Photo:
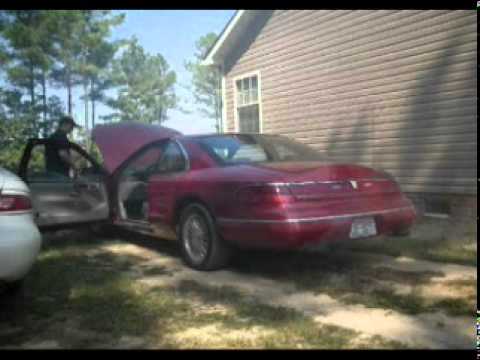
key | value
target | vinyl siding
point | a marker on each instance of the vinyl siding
(395, 90)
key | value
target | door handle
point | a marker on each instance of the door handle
(81, 186)
(74, 194)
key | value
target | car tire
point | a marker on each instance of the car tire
(15, 288)
(404, 232)
(103, 229)
(201, 245)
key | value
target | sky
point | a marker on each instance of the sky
(171, 33)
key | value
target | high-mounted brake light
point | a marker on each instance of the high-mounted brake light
(265, 194)
(14, 203)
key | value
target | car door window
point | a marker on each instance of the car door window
(144, 164)
(84, 166)
(37, 168)
(172, 160)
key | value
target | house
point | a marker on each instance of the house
(395, 90)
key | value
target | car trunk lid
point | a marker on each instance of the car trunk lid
(10, 182)
(320, 180)
(117, 142)
(335, 189)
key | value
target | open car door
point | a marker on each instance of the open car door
(62, 200)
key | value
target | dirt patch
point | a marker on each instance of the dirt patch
(434, 240)
(129, 342)
(42, 344)
(450, 290)
(419, 331)
(217, 336)
(445, 271)
(201, 308)
(143, 298)
(129, 250)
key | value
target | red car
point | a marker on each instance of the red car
(215, 192)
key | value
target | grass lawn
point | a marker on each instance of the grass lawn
(347, 272)
(353, 280)
(432, 240)
(78, 296)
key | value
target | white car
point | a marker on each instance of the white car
(20, 239)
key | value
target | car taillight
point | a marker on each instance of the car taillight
(265, 194)
(14, 203)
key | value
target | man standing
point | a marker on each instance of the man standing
(57, 152)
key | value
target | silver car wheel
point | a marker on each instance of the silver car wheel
(195, 238)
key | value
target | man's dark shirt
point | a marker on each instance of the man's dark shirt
(54, 163)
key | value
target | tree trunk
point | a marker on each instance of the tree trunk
(69, 91)
(217, 113)
(32, 100)
(85, 94)
(32, 89)
(217, 105)
(160, 116)
(93, 102)
(218, 101)
(44, 98)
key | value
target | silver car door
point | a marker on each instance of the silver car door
(60, 200)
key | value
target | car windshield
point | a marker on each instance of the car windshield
(255, 148)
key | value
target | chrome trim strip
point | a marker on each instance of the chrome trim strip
(16, 212)
(322, 182)
(9, 191)
(309, 220)
(303, 183)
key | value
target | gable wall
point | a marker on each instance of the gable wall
(390, 89)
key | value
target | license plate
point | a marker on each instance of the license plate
(363, 227)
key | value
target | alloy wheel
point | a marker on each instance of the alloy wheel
(195, 238)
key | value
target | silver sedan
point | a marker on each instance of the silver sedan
(20, 239)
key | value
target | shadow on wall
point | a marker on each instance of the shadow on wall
(424, 109)
(358, 135)
(428, 112)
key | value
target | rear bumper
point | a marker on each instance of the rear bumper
(20, 243)
(295, 233)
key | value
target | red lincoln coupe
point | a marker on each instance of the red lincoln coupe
(215, 192)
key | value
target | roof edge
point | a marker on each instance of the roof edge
(209, 59)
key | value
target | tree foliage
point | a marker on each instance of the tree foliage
(206, 80)
(97, 52)
(41, 50)
(28, 54)
(15, 127)
(145, 86)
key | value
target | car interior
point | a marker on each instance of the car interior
(133, 182)
(132, 185)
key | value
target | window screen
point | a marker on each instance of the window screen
(248, 111)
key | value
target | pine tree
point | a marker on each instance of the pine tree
(206, 81)
(145, 86)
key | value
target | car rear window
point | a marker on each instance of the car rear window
(256, 148)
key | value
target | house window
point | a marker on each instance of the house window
(247, 104)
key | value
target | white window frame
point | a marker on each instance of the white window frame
(259, 99)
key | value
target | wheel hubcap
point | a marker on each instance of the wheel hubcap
(195, 237)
